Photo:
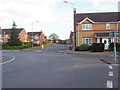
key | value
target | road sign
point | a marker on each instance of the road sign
(111, 34)
(32, 39)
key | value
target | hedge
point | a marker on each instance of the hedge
(111, 46)
(13, 47)
(97, 47)
(83, 47)
(24, 45)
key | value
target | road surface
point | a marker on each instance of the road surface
(49, 69)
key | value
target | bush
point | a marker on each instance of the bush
(4, 46)
(83, 47)
(27, 44)
(97, 47)
(44, 42)
(76, 49)
(111, 46)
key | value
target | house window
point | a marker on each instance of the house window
(0, 36)
(6, 36)
(36, 37)
(107, 26)
(86, 26)
(87, 41)
(25, 36)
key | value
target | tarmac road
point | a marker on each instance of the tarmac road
(49, 69)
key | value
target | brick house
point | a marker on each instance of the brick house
(38, 37)
(95, 27)
(5, 35)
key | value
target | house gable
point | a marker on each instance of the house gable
(23, 35)
(86, 21)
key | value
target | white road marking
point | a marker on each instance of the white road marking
(109, 84)
(111, 67)
(9, 60)
(110, 74)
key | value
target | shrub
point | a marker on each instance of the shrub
(97, 47)
(29, 44)
(83, 47)
(77, 48)
(44, 42)
(4, 46)
(25, 46)
(111, 46)
(118, 47)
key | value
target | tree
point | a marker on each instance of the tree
(53, 37)
(14, 40)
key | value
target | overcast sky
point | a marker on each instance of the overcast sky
(54, 16)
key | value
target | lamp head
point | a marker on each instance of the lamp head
(65, 1)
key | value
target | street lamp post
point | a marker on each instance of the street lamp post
(32, 32)
(73, 24)
(4, 37)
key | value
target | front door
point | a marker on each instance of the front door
(106, 42)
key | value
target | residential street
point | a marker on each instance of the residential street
(50, 69)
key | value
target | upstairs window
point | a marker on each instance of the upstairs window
(107, 26)
(36, 37)
(25, 36)
(86, 26)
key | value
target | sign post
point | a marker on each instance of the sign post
(32, 41)
(114, 45)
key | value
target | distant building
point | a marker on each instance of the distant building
(46, 38)
(36, 37)
(5, 35)
(71, 37)
(50, 41)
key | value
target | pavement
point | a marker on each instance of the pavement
(50, 69)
